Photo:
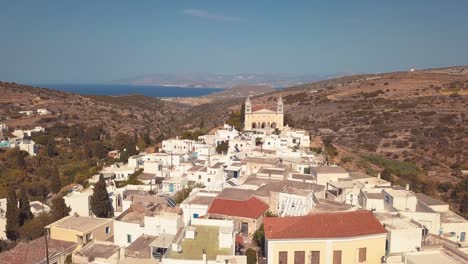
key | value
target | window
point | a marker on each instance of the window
(283, 257)
(315, 257)
(107, 230)
(362, 254)
(129, 238)
(337, 257)
(199, 177)
(209, 180)
(299, 257)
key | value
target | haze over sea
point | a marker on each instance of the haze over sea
(123, 89)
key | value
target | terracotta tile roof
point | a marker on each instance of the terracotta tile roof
(34, 251)
(323, 225)
(251, 208)
(260, 107)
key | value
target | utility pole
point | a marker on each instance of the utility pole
(46, 247)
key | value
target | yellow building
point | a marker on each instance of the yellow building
(262, 118)
(325, 238)
(81, 230)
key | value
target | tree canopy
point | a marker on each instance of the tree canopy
(100, 203)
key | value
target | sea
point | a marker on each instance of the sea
(122, 89)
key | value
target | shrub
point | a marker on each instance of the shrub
(251, 256)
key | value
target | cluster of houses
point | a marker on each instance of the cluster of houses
(268, 179)
(20, 139)
(40, 111)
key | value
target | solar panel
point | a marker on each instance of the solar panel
(171, 202)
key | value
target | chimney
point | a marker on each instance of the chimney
(204, 256)
(407, 187)
(378, 175)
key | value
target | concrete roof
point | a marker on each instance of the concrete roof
(328, 169)
(422, 208)
(202, 200)
(378, 195)
(395, 222)
(235, 194)
(429, 257)
(300, 176)
(451, 217)
(162, 241)
(327, 206)
(140, 248)
(427, 200)
(130, 260)
(97, 250)
(146, 176)
(196, 168)
(279, 185)
(79, 223)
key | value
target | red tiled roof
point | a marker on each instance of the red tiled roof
(323, 225)
(33, 251)
(260, 107)
(251, 208)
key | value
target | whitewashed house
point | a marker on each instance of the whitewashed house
(146, 218)
(42, 111)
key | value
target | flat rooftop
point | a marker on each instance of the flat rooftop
(79, 223)
(279, 185)
(300, 176)
(235, 194)
(201, 199)
(140, 248)
(378, 195)
(95, 250)
(427, 200)
(395, 222)
(327, 206)
(206, 239)
(451, 217)
(430, 257)
(328, 169)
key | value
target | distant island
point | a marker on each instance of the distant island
(226, 81)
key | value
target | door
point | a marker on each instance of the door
(299, 257)
(283, 257)
(171, 187)
(462, 236)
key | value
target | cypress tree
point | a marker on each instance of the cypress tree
(55, 182)
(100, 202)
(12, 215)
(24, 211)
(59, 208)
(242, 113)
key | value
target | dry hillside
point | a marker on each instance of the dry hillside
(120, 114)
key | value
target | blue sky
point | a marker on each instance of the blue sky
(79, 41)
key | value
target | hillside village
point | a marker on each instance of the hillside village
(256, 196)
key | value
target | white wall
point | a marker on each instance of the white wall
(79, 203)
(122, 229)
(165, 223)
(404, 240)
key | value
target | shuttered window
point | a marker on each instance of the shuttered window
(362, 254)
(315, 257)
(283, 257)
(299, 257)
(337, 257)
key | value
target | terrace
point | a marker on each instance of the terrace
(206, 239)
